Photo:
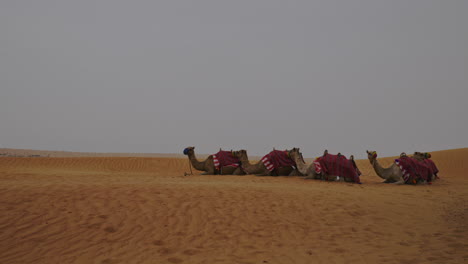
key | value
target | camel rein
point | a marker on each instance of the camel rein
(190, 165)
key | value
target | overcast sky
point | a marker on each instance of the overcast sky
(157, 76)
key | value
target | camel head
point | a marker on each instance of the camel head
(371, 155)
(240, 154)
(294, 152)
(189, 151)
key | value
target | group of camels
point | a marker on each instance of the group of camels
(293, 164)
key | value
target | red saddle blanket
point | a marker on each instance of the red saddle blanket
(431, 166)
(413, 170)
(337, 165)
(225, 158)
(277, 159)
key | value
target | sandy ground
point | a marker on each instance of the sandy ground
(143, 210)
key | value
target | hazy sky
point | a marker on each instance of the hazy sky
(156, 76)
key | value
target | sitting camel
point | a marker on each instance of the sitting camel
(394, 173)
(264, 167)
(315, 170)
(211, 165)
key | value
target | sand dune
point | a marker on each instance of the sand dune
(9, 152)
(144, 210)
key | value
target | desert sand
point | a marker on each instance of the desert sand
(144, 210)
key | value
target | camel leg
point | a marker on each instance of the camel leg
(399, 182)
(238, 171)
(348, 180)
(210, 171)
(228, 170)
(209, 167)
(311, 176)
(295, 172)
(335, 178)
(265, 172)
(322, 176)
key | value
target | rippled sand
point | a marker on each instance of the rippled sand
(144, 210)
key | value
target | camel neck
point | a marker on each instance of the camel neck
(378, 169)
(195, 163)
(301, 166)
(245, 161)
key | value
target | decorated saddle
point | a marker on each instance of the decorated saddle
(277, 159)
(225, 158)
(413, 170)
(337, 165)
(429, 163)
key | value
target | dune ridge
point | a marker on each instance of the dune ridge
(144, 210)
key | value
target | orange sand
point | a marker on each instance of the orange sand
(143, 210)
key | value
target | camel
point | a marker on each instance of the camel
(259, 168)
(310, 170)
(208, 165)
(392, 174)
